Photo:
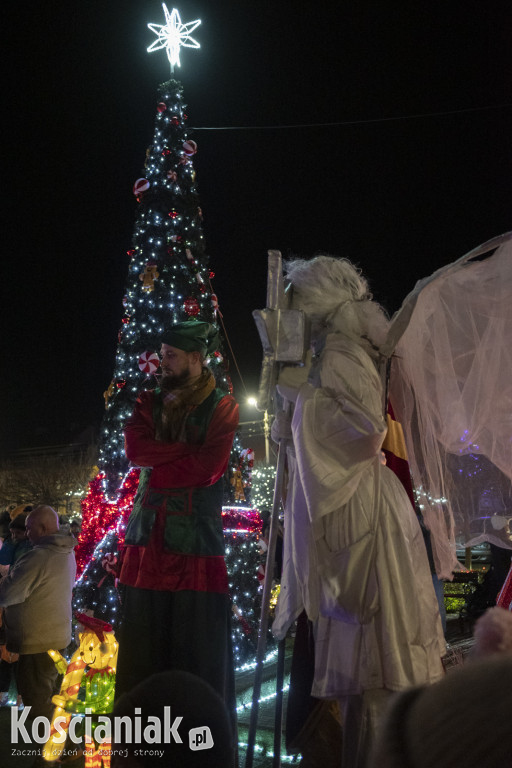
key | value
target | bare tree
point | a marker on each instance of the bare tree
(47, 477)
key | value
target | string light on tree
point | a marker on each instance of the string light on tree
(263, 480)
(173, 35)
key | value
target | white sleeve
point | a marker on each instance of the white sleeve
(338, 429)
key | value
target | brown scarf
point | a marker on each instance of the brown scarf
(177, 404)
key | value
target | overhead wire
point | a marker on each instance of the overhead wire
(328, 125)
(366, 121)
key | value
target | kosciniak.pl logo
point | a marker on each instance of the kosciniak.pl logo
(119, 729)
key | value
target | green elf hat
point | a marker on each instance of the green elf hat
(192, 336)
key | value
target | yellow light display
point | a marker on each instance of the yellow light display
(98, 652)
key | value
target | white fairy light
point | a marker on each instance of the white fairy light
(172, 35)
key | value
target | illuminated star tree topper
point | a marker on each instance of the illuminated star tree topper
(172, 35)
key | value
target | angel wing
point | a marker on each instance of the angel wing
(451, 388)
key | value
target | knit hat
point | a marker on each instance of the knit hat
(5, 521)
(199, 707)
(20, 509)
(462, 720)
(192, 336)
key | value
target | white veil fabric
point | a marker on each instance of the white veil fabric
(451, 388)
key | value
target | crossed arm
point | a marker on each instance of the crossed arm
(181, 465)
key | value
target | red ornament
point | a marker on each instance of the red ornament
(215, 302)
(189, 147)
(166, 152)
(191, 306)
(109, 565)
(247, 455)
(131, 253)
(175, 120)
(149, 362)
(161, 107)
(173, 214)
(140, 186)
(504, 599)
(121, 383)
(211, 275)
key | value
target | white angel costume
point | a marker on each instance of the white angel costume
(354, 555)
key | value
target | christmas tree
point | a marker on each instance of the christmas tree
(169, 280)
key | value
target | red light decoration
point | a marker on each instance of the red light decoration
(99, 515)
(242, 520)
(191, 306)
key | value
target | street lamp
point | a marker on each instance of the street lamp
(266, 427)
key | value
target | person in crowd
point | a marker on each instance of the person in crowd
(462, 720)
(75, 528)
(5, 519)
(64, 525)
(5, 537)
(493, 633)
(14, 545)
(176, 610)
(200, 717)
(36, 597)
(17, 544)
(354, 555)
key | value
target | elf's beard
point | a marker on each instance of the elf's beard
(170, 381)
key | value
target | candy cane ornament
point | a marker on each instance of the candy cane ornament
(149, 362)
(69, 688)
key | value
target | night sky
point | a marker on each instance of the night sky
(400, 197)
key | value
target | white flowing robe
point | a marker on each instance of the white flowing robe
(354, 555)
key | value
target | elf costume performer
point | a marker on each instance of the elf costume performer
(176, 610)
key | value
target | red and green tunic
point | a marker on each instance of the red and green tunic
(174, 539)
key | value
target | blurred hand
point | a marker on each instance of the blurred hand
(281, 427)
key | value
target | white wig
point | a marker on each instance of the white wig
(335, 296)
